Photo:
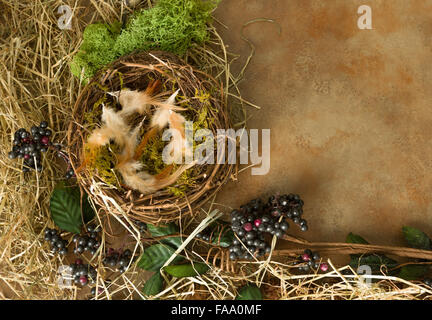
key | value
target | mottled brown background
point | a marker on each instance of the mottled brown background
(348, 109)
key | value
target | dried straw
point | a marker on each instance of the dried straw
(35, 84)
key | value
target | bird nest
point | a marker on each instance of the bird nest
(201, 97)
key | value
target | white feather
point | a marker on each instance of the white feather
(160, 118)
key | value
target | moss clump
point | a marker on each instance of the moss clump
(183, 183)
(96, 50)
(104, 160)
(171, 25)
(92, 117)
(152, 155)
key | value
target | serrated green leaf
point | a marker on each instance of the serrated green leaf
(66, 210)
(187, 270)
(166, 230)
(249, 292)
(354, 238)
(374, 261)
(413, 271)
(154, 257)
(416, 238)
(153, 285)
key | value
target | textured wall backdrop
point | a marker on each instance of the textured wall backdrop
(349, 111)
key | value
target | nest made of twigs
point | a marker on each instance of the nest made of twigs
(134, 72)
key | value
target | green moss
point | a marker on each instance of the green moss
(93, 116)
(170, 25)
(104, 161)
(152, 155)
(153, 164)
(96, 49)
(183, 183)
(201, 118)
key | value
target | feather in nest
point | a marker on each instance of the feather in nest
(134, 101)
(166, 116)
(113, 128)
(177, 122)
(133, 175)
(160, 118)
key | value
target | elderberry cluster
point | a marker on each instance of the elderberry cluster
(289, 206)
(89, 242)
(311, 260)
(204, 235)
(93, 291)
(57, 243)
(217, 233)
(142, 226)
(256, 218)
(252, 241)
(82, 273)
(70, 174)
(115, 258)
(30, 145)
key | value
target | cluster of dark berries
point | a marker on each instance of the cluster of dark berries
(142, 226)
(82, 273)
(289, 206)
(93, 291)
(29, 145)
(205, 235)
(311, 260)
(256, 218)
(255, 246)
(88, 242)
(115, 258)
(250, 228)
(57, 243)
(214, 233)
(70, 173)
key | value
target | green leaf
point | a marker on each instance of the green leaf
(87, 210)
(162, 230)
(187, 270)
(354, 238)
(154, 257)
(374, 261)
(66, 210)
(165, 230)
(413, 271)
(250, 292)
(153, 285)
(416, 238)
